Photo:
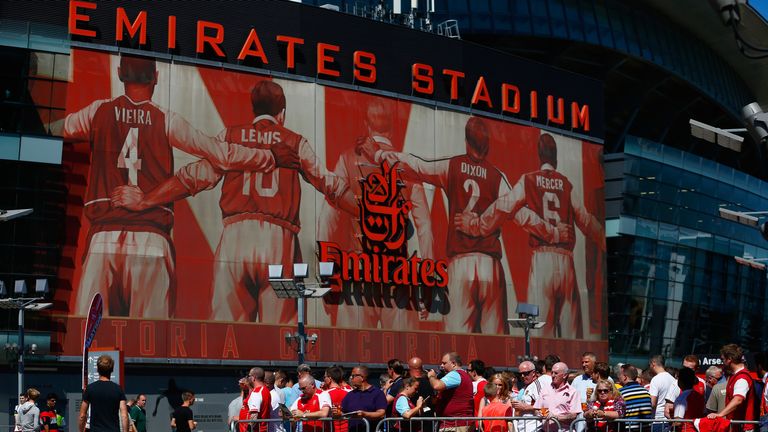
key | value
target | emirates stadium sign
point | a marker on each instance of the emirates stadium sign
(383, 257)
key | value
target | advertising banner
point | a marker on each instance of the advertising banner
(194, 179)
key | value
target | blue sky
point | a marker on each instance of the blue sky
(760, 6)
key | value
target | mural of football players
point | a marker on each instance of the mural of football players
(130, 256)
(548, 193)
(260, 211)
(370, 305)
(476, 280)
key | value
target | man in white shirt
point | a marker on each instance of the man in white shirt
(584, 381)
(277, 398)
(523, 406)
(663, 388)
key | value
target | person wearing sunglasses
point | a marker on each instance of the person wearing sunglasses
(608, 405)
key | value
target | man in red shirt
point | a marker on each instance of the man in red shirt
(260, 399)
(312, 404)
(334, 376)
(476, 370)
(739, 392)
(454, 393)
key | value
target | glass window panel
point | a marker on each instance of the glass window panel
(9, 146)
(668, 233)
(522, 17)
(572, 15)
(36, 149)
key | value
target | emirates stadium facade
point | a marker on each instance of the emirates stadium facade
(170, 155)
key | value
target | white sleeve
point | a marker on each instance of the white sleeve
(314, 172)
(741, 388)
(198, 176)
(77, 126)
(324, 400)
(254, 402)
(223, 155)
(295, 404)
(654, 390)
(504, 207)
(416, 169)
(672, 394)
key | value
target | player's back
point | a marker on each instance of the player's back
(129, 146)
(548, 193)
(472, 187)
(274, 196)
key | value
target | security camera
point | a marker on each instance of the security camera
(764, 230)
(757, 122)
(313, 338)
(33, 348)
(728, 10)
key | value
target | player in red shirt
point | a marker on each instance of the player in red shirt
(260, 211)
(312, 404)
(476, 283)
(260, 399)
(547, 192)
(334, 377)
(347, 308)
(129, 256)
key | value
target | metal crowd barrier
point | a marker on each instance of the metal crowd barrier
(298, 424)
(457, 424)
(582, 424)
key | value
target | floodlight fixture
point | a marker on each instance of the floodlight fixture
(756, 263)
(41, 286)
(20, 287)
(527, 321)
(300, 270)
(527, 309)
(722, 137)
(745, 218)
(6, 215)
(275, 271)
(326, 269)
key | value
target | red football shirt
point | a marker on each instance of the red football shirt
(276, 194)
(548, 194)
(130, 146)
(472, 187)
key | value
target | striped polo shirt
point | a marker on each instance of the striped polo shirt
(637, 401)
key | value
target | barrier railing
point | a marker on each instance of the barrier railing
(458, 424)
(299, 424)
(582, 424)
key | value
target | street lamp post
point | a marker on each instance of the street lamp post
(297, 288)
(23, 304)
(526, 320)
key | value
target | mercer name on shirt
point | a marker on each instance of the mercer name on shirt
(549, 183)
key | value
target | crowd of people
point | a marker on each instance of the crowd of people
(542, 395)
(653, 397)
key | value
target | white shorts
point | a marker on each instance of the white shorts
(241, 289)
(477, 293)
(553, 282)
(133, 271)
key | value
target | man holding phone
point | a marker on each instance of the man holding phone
(363, 402)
